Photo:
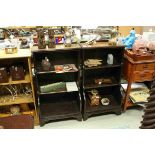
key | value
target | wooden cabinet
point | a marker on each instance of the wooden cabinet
(17, 92)
(137, 71)
(64, 103)
(109, 90)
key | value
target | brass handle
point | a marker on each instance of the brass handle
(145, 66)
(142, 75)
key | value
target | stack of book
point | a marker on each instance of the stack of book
(138, 94)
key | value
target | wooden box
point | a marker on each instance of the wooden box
(3, 75)
(17, 73)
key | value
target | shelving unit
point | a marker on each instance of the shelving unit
(104, 71)
(62, 104)
(25, 101)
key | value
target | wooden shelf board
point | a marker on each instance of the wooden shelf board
(113, 104)
(10, 82)
(58, 48)
(51, 71)
(22, 99)
(92, 85)
(58, 92)
(100, 86)
(59, 109)
(22, 53)
(130, 104)
(102, 66)
(100, 45)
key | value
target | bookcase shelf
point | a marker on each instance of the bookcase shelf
(61, 104)
(102, 66)
(21, 99)
(11, 82)
(112, 72)
(51, 71)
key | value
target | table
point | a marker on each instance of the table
(137, 71)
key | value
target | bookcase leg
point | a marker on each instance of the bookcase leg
(118, 112)
(85, 117)
(42, 123)
(79, 118)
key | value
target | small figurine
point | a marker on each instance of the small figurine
(41, 39)
(51, 43)
(24, 44)
(130, 39)
(46, 65)
(94, 98)
(68, 41)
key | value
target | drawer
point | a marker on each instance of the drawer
(146, 66)
(143, 76)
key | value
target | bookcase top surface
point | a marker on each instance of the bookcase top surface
(76, 46)
(22, 53)
(58, 47)
(100, 45)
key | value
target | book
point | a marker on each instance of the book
(71, 86)
(139, 95)
(65, 68)
(139, 92)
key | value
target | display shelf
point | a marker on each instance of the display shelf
(103, 45)
(22, 58)
(102, 66)
(72, 87)
(21, 53)
(100, 51)
(59, 109)
(58, 48)
(62, 104)
(20, 99)
(11, 82)
(40, 71)
(113, 104)
(57, 92)
(91, 85)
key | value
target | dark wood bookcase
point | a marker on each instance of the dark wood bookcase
(105, 70)
(63, 104)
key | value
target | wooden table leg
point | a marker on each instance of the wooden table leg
(127, 96)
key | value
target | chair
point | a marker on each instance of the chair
(17, 122)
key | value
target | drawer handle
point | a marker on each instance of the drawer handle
(145, 67)
(142, 75)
